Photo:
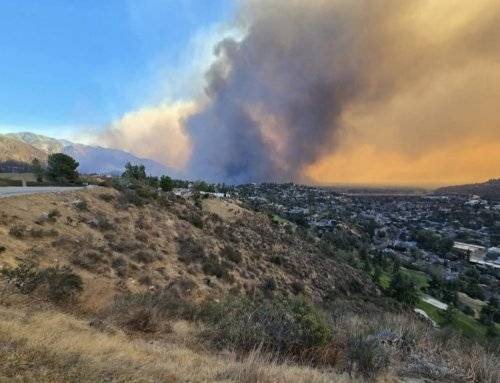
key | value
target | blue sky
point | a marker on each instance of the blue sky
(68, 64)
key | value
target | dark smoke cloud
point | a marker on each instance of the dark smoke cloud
(309, 73)
(288, 70)
(372, 91)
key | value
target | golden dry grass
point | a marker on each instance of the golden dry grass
(50, 346)
(40, 344)
(224, 209)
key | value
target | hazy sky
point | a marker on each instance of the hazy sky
(326, 91)
(71, 64)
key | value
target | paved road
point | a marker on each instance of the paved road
(11, 191)
(435, 302)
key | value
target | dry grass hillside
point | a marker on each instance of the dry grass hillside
(15, 150)
(101, 285)
(117, 246)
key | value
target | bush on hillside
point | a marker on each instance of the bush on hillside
(212, 266)
(150, 311)
(232, 254)
(88, 259)
(190, 250)
(130, 197)
(106, 197)
(120, 265)
(403, 289)
(18, 231)
(283, 325)
(60, 284)
(25, 277)
(166, 183)
(81, 205)
(366, 357)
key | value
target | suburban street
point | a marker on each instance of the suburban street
(12, 191)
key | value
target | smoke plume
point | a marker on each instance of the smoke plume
(340, 90)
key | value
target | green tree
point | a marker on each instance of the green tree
(490, 313)
(166, 183)
(135, 172)
(37, 170)
(403, 289)
(61, 167)
(152, 181)
(491, 331)
(202, 186)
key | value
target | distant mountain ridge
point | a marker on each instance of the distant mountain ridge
(26, 146)
(489, 189)
(16, 150)
(110, 161)
(47, 144)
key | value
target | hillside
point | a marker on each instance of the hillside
(195, 290)
(488, 190)
(95, 159)
(47, 144)
(26, 146)
(171, 243)
(15, 150)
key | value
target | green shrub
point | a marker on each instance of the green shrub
(120, 265)
(18, 231)
(101, 222)
(231, 254)
(147, 312)
(2, 249)
(212, 266)
(62, 283)
(88, 259)
(107, 197)
(53, 215)
(403, 289)
(166, 183)
(283, 325)
(144, 256)
(195, 219)
(366, 357)
(269, 284)
(130, 197)
(147, 193)
(81, 205)
(25, 277)
(40, 233)
(190, 250)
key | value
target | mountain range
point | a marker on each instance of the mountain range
(26, 146)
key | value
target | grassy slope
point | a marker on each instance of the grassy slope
(462, 322)
(50, 346)
(41, 343)
(420, 279)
